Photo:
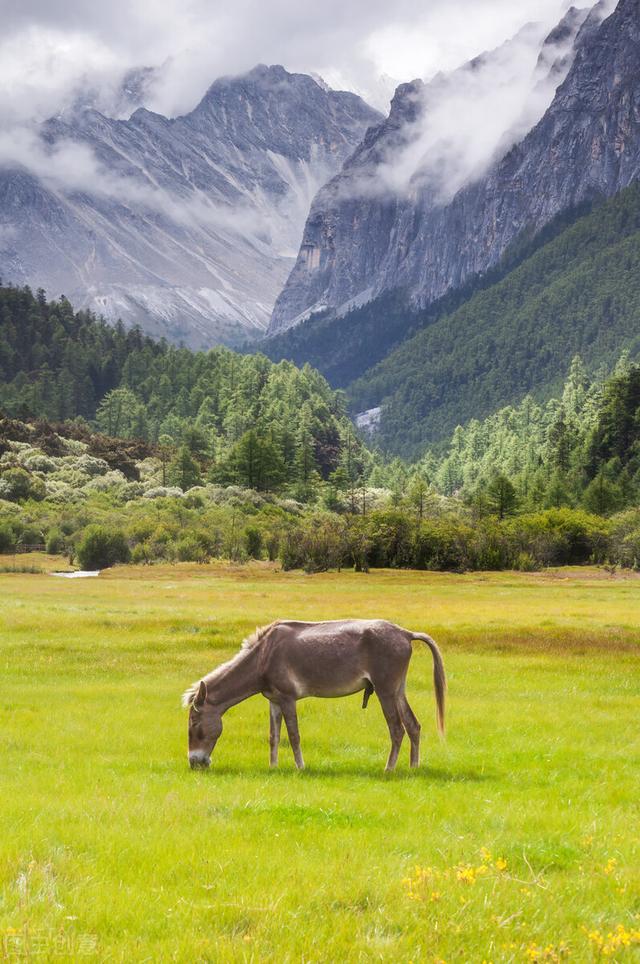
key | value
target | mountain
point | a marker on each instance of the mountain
(367, 234)
(187, 226)
(578, 293)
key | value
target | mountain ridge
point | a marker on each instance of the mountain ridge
(184, 225)
(357, 247)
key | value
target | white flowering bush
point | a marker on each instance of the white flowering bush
(92, 466)
(233, 495)
(34, 460)
(78, 470)
(132, 491)
(150, 470)
(74, 446)
(112, 479)
(164, 492)
(62, 493)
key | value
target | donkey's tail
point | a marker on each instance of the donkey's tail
(439, 677)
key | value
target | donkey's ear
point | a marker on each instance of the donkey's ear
(201, 695)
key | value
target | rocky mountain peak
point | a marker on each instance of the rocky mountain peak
(186, 225)
(577, 137)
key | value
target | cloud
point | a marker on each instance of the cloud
(49, 48)
(467, 118)
(452, 128)
(52, 51)
(70, 167)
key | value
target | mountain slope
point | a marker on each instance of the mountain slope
(343, 348)
(359, 243)
(577, 294)
(186, 226)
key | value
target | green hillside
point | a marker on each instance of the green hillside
(579, 293)
(242, 418)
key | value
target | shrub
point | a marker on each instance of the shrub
(31, 535)
(319, 545)
(55, 542)
(273, 545)
(164, 492)
(7, 538)
(525, 562)
(253, 542)
(561, 536)
(16, 485)
(392, 535)
(100, 548)
(142, 553)
(192, 549)
(35, 461)
(444, 545)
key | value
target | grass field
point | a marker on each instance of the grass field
(518, 840)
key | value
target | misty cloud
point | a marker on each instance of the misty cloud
(469, 117)
(53, 51)
(52, 48)
(70, 167)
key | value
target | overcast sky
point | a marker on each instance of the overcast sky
(47, 47)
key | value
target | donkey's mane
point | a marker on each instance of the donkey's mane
(248, 644)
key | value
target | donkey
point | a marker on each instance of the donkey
(289, 660)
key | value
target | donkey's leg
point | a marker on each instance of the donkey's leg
(389, 704)
(275, 725)
(412, 726)
(291, 719)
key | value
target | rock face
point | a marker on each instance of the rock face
(188, 226)
(360, 241)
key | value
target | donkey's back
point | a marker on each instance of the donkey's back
(340, 657)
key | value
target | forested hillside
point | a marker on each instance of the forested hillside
(258, 423)
(344, 348)
(578, 293)
(580, 449)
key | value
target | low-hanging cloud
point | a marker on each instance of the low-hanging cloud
(54, 51)
(51, 49)
(70, 167)
(468, 117)
(464, 120)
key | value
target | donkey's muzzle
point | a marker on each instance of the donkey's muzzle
(199, 761)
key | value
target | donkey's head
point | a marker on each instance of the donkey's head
(205, 725)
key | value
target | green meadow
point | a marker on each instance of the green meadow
(517, 840)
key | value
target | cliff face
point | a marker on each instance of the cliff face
(188, 226)
(359, 241)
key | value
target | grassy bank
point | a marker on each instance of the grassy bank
(517, 841)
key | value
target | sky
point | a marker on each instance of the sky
(49, 48)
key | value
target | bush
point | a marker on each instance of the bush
(444, 545)
(192, 548)
(319, 545)
(55, 542)
(253, 542)
(16, 485)
(31, 535)
(557, 537)
(142, 553)
(392, 535)
(100, 548)
(7, 538)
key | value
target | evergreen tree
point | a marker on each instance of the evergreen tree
(184, 470)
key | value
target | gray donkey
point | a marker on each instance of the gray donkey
(289, 660)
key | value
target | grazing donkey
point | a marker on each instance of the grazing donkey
(289, 660)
